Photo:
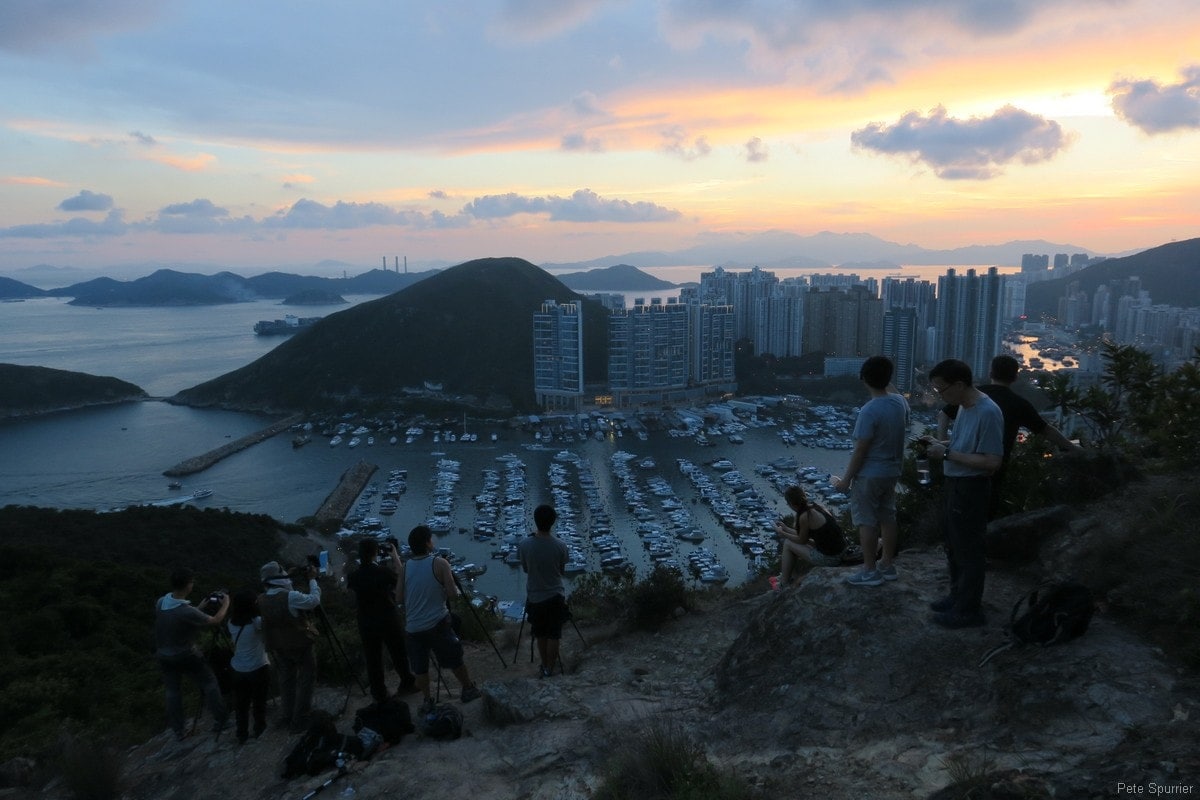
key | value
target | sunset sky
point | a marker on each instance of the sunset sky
(267, 134)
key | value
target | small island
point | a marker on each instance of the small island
(314, 297)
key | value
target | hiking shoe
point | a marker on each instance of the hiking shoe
(775, 583)
(406, 687)
(865, 578)
(945, 604)
(888, 573)
(960, 619)
(544, 671)
(427, 706)
(470, 693)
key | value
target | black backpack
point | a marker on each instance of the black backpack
(321, 748)
(1052, 613)
(442, 722)
(391, 719)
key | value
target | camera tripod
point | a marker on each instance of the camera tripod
(335, 645)
(568, 617)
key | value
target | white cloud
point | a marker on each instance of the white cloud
(583, 205)
(976, 148)
(1156, 108)
(756, 151)
(674, 143)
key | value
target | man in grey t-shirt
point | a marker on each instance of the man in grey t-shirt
(874, 467)
(177, 626)
(544, 557)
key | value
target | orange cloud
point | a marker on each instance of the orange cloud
(30, 180)
(196, 163)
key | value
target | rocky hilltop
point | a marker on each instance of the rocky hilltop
(822, 690)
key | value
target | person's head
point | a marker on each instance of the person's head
(273, 575)
(420, 540)
(951, 379)
(182, 580)
(876, 372)
(544, 517)
(1004, 369)
(368, 549)
(243, 607)
(796, 499)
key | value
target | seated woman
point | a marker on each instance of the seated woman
(810, 534)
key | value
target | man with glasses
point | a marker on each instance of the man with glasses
(975, 451)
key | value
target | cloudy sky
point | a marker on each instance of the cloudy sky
(283, 132)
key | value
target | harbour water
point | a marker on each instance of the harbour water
(115, 456)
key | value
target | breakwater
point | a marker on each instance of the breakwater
(202, 462)
(337, 504)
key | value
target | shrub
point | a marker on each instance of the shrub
(654, 599)
(92, 768)
(663, 761)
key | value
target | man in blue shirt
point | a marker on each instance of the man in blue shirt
(973, 453)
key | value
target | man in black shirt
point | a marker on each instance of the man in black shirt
(379, 626)
(1018, 413)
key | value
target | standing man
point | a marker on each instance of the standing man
(544, 557)
(426, 584)
(1018, 413)
(290, 635)
(975, 451)
(374, 588)
(873, 470)
(177, 624)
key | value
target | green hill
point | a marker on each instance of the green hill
(469, 328)
(1170, 273)
(36, 390)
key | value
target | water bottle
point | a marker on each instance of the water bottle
(923, 472)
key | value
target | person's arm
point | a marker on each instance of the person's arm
(943, 424)
(984, 462)
(306, 601)
(399, 598)
(441, 571)
(1056, 437)
(861, 446)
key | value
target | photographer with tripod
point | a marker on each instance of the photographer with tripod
(426, 584)
(544, 557)
(374, 589)
(177, 624)
(290, 635)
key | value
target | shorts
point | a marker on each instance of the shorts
(547, 617)
(819, 559)
(441, 640)
(873, 501)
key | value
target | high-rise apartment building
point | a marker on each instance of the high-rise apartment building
(648, 352)
(901, 336)
(843, 323)
(969, 318)
(558, 355)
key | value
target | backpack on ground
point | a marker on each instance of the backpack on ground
(390, 719)
(321, 748)
(1051, 613)
(442, 722)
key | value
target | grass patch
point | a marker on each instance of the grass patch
(663, 762)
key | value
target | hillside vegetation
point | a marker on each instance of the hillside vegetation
(35, 390)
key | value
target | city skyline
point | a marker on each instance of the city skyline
(270, 135)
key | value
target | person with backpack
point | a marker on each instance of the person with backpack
(177, 625)
(543, 558)
(426, 584)
(290, 636)
(251, 667)
(373, 586)
(810, 534)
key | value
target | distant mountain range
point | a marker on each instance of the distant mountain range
(167, 287)
(780, 249)
(37, 390)
(1170, 273)
(468, 328)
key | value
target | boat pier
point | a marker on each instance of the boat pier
(202, 462)
(337, 504)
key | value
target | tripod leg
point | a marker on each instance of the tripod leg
(520, 630)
